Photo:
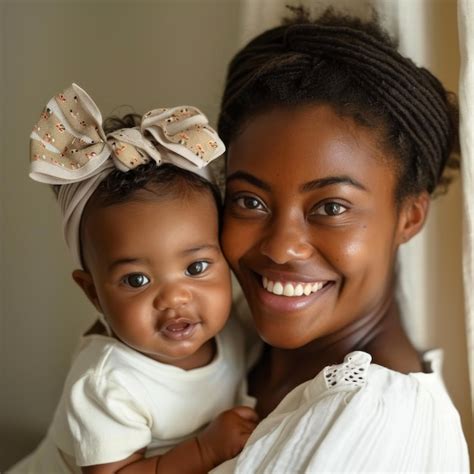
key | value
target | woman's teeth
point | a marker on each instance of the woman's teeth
(291, 289)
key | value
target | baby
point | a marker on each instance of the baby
(153, 390)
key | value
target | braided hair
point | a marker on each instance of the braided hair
(354, 67)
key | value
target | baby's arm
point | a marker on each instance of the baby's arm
(223, 439)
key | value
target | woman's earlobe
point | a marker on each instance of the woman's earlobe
(86, 283)
(413, 213)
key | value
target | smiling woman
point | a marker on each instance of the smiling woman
(329, 226)
(335, 144)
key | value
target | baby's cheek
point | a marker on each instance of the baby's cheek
(215, 312)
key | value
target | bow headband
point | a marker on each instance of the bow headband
(70, 148)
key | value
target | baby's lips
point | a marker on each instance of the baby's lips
(176, 326)
(179, 328)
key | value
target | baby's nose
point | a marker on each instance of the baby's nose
(172, 296)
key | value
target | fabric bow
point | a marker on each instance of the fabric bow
(68, 143)
(70, 148)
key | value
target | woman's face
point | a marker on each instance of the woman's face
(311, 226)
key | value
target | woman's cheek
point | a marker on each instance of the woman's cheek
(234, 241)
(364, 259)
(352, 254)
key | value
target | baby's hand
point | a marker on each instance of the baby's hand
(225, 437)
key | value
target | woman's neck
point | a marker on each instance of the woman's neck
(356, 336)
(376, 333)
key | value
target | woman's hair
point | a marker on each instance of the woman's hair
(354, 67)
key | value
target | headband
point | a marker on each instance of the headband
(70, 148)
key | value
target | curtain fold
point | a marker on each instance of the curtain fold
(466, 103)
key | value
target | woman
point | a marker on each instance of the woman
(335, 144)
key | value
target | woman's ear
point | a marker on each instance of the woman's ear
(84, 280)
(412, 217)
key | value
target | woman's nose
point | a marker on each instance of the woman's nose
(172, 296)
(287, 240)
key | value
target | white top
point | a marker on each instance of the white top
(117, 401)
(359, 417)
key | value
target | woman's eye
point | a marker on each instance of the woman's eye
(248, 202)
(136, 280)
(196, 268)
(331, 209)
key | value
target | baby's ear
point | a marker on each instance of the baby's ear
(412, 217)
(85, 281)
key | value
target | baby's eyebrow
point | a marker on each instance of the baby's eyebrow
(125, 261)
(199, 248)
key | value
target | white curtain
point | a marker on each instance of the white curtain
(431, 286)
(466, 99)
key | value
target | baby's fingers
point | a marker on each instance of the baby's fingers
(247, 426)
(247, 413)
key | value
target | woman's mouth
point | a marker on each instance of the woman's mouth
(285, 294)
(292, 289)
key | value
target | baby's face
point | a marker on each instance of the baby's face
(159, 275)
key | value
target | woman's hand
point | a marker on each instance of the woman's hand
(225, 437)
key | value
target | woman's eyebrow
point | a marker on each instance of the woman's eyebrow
(250, 178)
(329, 181)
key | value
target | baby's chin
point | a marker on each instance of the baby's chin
(181, 353)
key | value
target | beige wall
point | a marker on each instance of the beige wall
(147, 54)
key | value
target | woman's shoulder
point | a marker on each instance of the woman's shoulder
(358, 372)
(371, 386)
(357, 416)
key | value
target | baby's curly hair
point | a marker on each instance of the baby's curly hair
(353, 66)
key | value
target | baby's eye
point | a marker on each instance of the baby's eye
(249, 202)
(196, 268)
(330, 209)
(135, 280)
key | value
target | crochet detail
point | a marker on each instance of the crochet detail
(352, 372)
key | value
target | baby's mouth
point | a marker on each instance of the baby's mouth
(292, 289)
(178, 329)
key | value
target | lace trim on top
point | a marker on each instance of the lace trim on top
(353, 371)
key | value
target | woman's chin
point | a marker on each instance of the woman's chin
(285, 336)
(291, 322)
(281, 341)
